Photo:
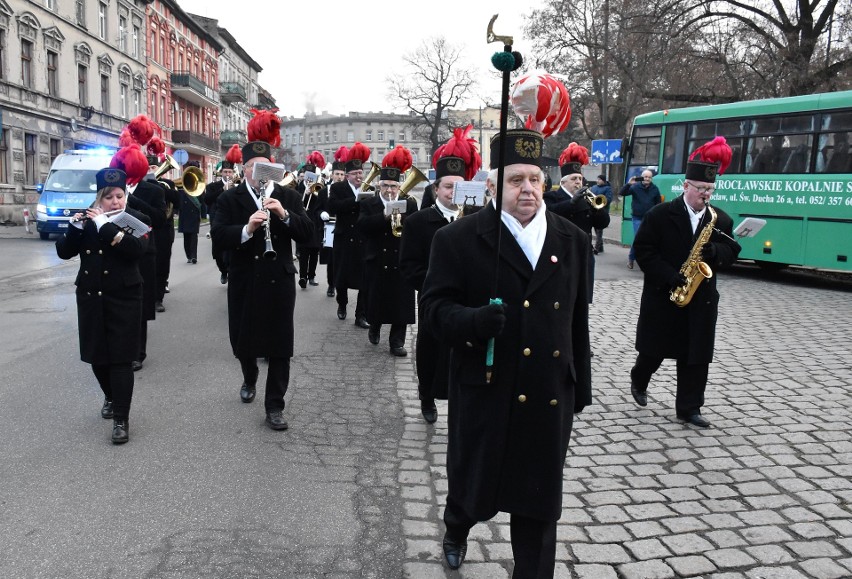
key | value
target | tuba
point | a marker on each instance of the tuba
(192, 181)
(693, 269)
(168, 164)
(413, 177)
(374, 172)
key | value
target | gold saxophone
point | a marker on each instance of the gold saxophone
(693, 269)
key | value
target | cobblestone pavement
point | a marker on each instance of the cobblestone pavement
(764, 493)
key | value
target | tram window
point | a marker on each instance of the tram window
(837, 121)
(766, 126)
(765, 155)
(798, 159)
(834, 154)
(730, 129)
(704, 131)
(797, 124)
(673, 153)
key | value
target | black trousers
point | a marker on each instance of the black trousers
(533, 541)
(329, 270)
(223, 260)
(397, 333)
(308, 259)
(360, 303)
(691, 382)
(143, 340)
(164, 238)
(277, 380)
(190, 245)
(116, 381)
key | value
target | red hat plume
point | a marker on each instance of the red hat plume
(156, 146)
(265, 126)
(125, 139)
(132, 161)
(574, 153)
(398, 157)
(461, 145)
(341, 155)
(142, 129)
(716, 151)
(359, 151)
(316, 158)
(234, 155)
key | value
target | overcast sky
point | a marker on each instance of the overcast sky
(365, 40)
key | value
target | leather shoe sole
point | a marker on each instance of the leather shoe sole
(341, 312)
(275, 421)
(313, 282)
(247, 393)
(399, 351)
(695, 420)
(641, 398)
(454, 552)
(136, 365)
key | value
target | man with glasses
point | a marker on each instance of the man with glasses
(390, 300)
(645, 196)
(663, 244)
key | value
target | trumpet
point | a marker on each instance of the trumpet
(596, 201)
(83, 218)
(312, 191)
(396, 223)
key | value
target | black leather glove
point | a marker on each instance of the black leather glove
(708, 252)
(677, 280)
(488, 321)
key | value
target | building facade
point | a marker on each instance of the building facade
(72, 73)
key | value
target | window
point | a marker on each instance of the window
(80, 12)
(350, 136)
(311, 138)
(52, 64)
(27, 63)
(154, 45)
(381, 136)
(104, 93)
(102, 20)
(402, 136)
(135, 41)
(369, 136)
(301, 139)
(162, 51)
(326, 136)
(55, 149)
(123, 97)
(30, 156)
(390, 136)
(50, 5)
(153, 109)
(334, 136)
(82, 87)
(137, 100)
(163, 109)
(122, 34)
(4, 155)
(2, 54)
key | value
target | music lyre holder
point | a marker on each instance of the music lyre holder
(266, 172)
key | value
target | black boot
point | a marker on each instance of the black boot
(120, 431)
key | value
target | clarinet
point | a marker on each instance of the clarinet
(269, 252)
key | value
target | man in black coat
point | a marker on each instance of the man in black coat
(164, 234)
(669, 233)
(314, 199)
(338, 174)
(508, 436)
(348, 242)
(261, 290)
(389, 299)
(212, 193)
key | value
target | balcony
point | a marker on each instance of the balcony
(195, 143)
(232, 92)
(192, 89)
(233, 137)
(264, 100)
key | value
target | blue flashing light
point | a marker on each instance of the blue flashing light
(40, 188)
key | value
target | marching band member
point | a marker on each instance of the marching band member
(348, 258)
(213, 190)
(456, 160)
(389, 299)
(109, 295)
(338, 174)
(164, 234)
(569, 201)
(314, 207)
(261, 284)
(189, 223)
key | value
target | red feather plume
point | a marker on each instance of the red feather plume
(716, 151)
(125, 139)
(265, 126)
(316, 158)
(398, 157)
(234, 155)
(461, 145)
(132, 161)
(574, 153)
(156, 146)
(359, 151)
(141, 129)
(341, 155)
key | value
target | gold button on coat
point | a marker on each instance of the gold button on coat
(106, 272)
(555, 353)
(527, 351)
(526, 303)
(522, 398)
(554, 402)
(468, 344)
(88, 251)
(555, 305)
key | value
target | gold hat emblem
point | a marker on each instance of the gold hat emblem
(455, 165)
(258, 147)
(528, 148)
(112, 177)
(710, 174)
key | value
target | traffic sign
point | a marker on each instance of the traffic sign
(181, 156)
(606, 151)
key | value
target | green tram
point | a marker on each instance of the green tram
(792, 166)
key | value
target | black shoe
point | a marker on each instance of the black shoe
(136, 365)
(641, 397)
(223, 279)
(374, 336)
(303, 283)
(247, 393)
(106, 409)
(595, 251)
(312, 281)
(159, 307)
(275, 420)
(399, 351)
(429, 411)
(454, 552)
(120, 431)
(341, 312)
(599, 249)
(330, 291)
(361, 322)
(695, 419)
(194, 260)
(167, 289)
(188, 260)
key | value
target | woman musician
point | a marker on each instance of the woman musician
(109, 295)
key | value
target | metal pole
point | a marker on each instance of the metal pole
(604, 80)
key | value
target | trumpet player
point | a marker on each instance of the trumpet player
(671, 233)
(261, 289)
(314, 197)
(390, 300)
(573, 202)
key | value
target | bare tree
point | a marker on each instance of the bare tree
(434, 82)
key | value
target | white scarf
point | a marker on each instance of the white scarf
(447, 214)
(531, 237)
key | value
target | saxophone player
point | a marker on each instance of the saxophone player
(668, 245)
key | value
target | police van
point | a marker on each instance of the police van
(70, 188)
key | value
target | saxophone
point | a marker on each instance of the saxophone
(693, 269)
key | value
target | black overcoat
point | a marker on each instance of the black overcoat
(390, 300)
(432, 355)
(507, 440)
(109, 290)
(662, 245)
(149, 198)
(261, 292)
(348, 244)
(212, 191)
(316, 204)
(189, 218)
